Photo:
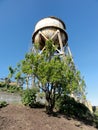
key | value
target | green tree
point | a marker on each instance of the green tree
(56, 75)
(17, 74)
(7, 81)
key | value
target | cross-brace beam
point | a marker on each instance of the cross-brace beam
(56, 34)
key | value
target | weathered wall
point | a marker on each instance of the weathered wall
(10, 97)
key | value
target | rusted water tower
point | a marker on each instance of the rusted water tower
(51, 28)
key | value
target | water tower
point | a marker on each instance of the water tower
(52, 28)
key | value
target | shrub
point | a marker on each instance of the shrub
(3, 104)
(70, 107)
(29, 97)
(10, 88)
(2, 85)
(94, 108)
(14, 89)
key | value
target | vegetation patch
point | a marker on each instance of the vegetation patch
(3, 104)
(73, 109)
(10, 88)
(29, 98)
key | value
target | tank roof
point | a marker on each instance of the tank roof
(58, 20)
(49, 23)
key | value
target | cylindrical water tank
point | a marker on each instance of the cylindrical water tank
(48, 26)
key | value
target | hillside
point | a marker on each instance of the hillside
(18, 117)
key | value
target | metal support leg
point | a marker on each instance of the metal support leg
(60, 41)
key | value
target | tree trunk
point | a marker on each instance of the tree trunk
(49, 107)
(50, 101)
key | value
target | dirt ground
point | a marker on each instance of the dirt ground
(18, 117)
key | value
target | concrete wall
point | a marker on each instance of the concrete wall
(10, 97)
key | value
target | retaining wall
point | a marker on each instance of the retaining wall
(10, 97)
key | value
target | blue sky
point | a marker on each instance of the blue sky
(17, 21)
